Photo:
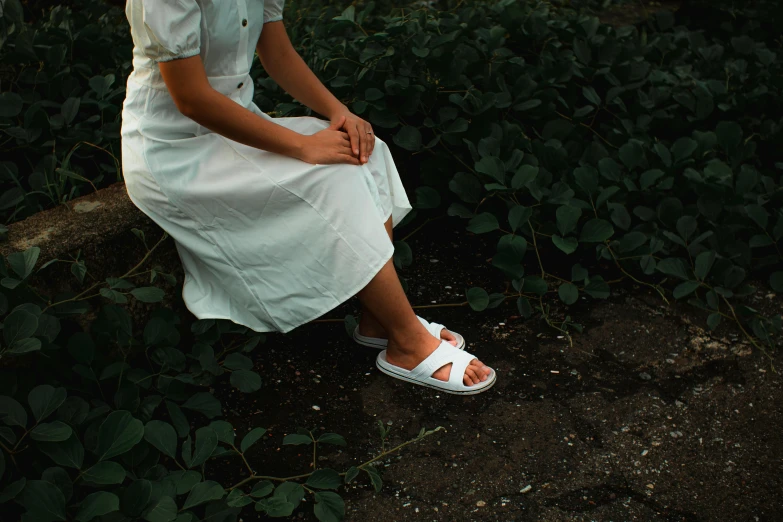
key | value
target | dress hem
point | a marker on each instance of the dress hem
(353, 290)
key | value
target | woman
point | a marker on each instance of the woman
(276, 220)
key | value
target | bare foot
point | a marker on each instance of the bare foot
(370, 327)
(409, 353)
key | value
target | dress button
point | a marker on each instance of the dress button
(240, 85)
(244, 22)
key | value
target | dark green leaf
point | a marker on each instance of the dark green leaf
(204, 402)
(759, 215)
(409, 138)
(148, 294)
(478, 298)
(96, 505)
(204, 492)
(704, 262)
(483, 223)
(237, 361)
(493, 167)
(162, 436)
(523, 305)
(519, 216)
(104, 473)
(596, 231)
(664, 154)
(535, 285)
(136, 497)
(275, 507)
(45, 399)
(329, 507)
(527, 105)
(713, 321)
(23, 263)
(674, 267)
(324, 479)
(567, 244)
(568, 293)
(683, 148)
(245, 381)
(206, 442)
(427, 197)
(375, 478)
(467, 187)
(632, 154)
(51, 432)
(69, 453)
(238, 499)
(224, 431)
(685, 289)
(597, 288)
(43, 501)
(567, 218)
(251, 438)
(12, 490)
(12, 413)
(631, 241)
(262, 489)
(178, 419)
(118, 433)
(649, 178)
(297, 439)
(524, 175)
(332, 438)
(163, 509)
(19, 324)
(351, 474)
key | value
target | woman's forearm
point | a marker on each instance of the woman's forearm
(222, 115)
(289, 71)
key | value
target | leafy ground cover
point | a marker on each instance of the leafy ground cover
(580, 157)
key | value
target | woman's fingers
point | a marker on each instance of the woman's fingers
(370, 140)
(353, 134)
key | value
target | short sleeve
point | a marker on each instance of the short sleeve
(165, 30)
(273, 10)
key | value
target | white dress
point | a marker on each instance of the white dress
(267, 241)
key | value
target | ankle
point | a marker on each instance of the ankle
(411, 343)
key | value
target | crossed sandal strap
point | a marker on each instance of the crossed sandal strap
(443, 355)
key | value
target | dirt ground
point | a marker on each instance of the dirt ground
(646, 417)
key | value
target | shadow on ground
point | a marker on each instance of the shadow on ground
(646, 417)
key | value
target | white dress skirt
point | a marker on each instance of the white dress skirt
(266, 241)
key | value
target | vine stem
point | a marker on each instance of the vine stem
(750, 338)
(247, 465)
(552, 325)
(253, 477)
(535, 247)
(428, 221)
(126, 274)
(616, 262)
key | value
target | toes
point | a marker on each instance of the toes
(470, 378)
(448, 337)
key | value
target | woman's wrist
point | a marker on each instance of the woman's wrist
(337, 110)
(298, 146)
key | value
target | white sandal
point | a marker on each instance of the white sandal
(443, 355)
(380, 343)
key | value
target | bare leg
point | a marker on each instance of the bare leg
(369, 324)
(409, 342)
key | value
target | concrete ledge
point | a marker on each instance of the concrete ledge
(96, 218)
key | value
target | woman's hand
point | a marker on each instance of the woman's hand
(328, 146)
(360, 133)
